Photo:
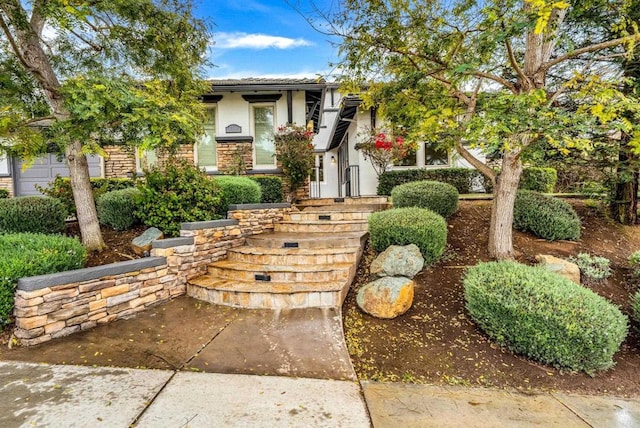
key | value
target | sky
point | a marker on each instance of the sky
(266, 38)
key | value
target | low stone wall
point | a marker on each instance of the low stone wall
(56, 305)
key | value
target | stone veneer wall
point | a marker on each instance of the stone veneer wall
(226, 152)
(7, 183)
(56, 305)
(120, 162)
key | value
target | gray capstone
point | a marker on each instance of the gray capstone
(142, 243)
(398, 260)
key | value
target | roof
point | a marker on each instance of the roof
(266, 84)
(348, 110)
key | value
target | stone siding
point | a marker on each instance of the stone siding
(56, 305)
(228, 151)
(119, 162)
(7, 183)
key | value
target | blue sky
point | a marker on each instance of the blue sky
(261, 38)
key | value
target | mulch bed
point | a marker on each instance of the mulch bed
(436, 341)
(118, 244)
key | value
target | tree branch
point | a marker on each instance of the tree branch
(515, 65)
(589, 49)
(498, 79)
(12, 41)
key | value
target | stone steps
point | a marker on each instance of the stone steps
(339, 202)
(244, 271)
(327, 215)
(321, 226)
(293, 256)
(310, 240)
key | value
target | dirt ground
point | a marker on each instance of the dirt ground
(436, 341)
(118, 244)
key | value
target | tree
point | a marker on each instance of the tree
(98, 72)
(500, 75)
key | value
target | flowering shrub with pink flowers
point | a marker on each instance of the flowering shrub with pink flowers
(295, 154)
(383, 148)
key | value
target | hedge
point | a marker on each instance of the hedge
(237, 190)
(463, 179)
(441, 198)
(404, 226)
(545, 216)
(4, 193)
(60, 188)
(117, 208)
(29, 254)
(35, 214)
(544, 316)
(271, 187)
(539, 179)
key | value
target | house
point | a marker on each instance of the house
(242, 117)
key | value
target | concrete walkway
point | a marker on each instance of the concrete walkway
(75, 396)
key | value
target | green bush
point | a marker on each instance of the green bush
(463, 179)
(29, 254)
(592, 268)
(441, 198)
(544, 316)
(635, 306)
(271, 188)
(404, 226)
(634, 263)
(539, 179)
(175, 193)
(60, 188)
(117, 208)
(237, 190)
(36, 214)
(545, 216)
(4, 193)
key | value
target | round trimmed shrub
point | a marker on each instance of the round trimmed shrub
(544, 316)
(635, 306)
(30, 254)
(117, 208)
(441, 198)
(271, 188)
(539, 179)
(237, 190)
(404, 226)
(545, 216)
(35, 214)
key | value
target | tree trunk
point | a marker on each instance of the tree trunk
(501, 229)
(83, 197)
(624, 206)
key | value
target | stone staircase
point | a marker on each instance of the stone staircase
(309, 260)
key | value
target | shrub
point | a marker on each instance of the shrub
(237, 190)
(545, 216)
(463, 179)
(404, 226)
(544, 316)
(592, 268)
(178, 192)
(117, 208)
(271, 188)
(36, 214)
(539, 179)
(60, 188)
(441, 198)
(634, 263)
(29, 254)
(635, 306)
(4, 193)
(295, 153)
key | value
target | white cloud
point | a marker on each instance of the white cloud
(225, 72)
(256, 41)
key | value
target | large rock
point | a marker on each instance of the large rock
(562, 267)
(142, 244)
(386, 297)
(398, 260)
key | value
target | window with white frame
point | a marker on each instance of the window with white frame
(146, 159)
(4, 165)
(206, 148)
(435, 156)
(264, 148)
(318, 172)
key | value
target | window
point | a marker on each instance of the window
(4, 165)
(319, 169)
(434, 156)
(206, 150)
(409, 160)
(264, 148)
(146, 159)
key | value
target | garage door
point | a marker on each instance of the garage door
(43, 171)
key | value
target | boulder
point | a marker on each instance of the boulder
(405, 260)
(141, 244)
(386, 297)
(569, 270)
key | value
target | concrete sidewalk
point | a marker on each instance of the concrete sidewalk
(74, 396)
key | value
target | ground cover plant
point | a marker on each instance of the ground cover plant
(592, 268)
(29, 254)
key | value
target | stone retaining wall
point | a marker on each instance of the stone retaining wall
(56, 305)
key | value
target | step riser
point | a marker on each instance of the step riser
(308, 244)
(292, 259)
(328, 299)
(347, 201)
(335, 275)
(321, 216)
(321, 228)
